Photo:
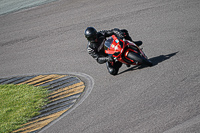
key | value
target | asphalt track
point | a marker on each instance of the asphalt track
(163, 98)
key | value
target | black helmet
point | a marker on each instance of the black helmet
(90, 33)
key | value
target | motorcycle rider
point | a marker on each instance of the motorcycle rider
(96, 42)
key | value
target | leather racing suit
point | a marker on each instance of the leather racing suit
(96, 48)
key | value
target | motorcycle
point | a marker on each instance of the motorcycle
(125, 51)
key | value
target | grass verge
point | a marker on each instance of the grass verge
(19, 103)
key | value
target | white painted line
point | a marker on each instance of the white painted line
(7, 6)
(89, 86)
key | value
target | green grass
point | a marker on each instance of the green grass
(19, 103)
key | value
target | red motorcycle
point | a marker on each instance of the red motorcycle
(125, 51)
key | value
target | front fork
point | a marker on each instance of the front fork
(126, 54)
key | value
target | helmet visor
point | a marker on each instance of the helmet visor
(92, 38)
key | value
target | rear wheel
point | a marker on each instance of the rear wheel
(136, 57)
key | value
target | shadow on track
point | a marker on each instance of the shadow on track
(161, 58)
(155, 61)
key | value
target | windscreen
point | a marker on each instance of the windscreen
(108, 42)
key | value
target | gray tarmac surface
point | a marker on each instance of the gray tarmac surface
(163, 98)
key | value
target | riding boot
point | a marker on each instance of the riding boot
(138, 43)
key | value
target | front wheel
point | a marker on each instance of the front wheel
(136, 57)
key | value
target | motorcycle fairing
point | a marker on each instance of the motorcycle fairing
(114, 46)
(119, 49)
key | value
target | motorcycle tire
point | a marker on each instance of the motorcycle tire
(136, 57)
